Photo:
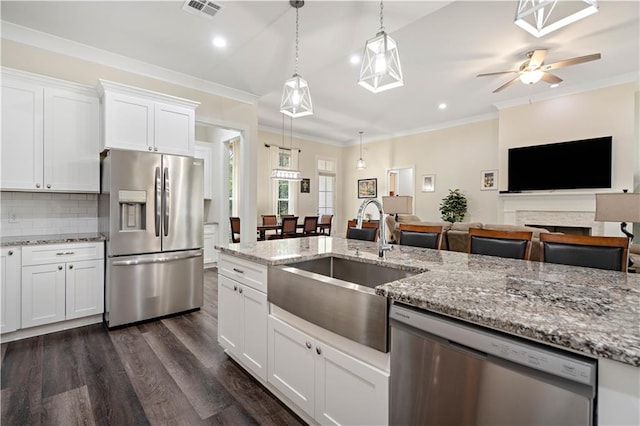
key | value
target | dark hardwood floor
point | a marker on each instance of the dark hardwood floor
(166, 372)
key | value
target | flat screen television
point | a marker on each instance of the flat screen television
(577, 164)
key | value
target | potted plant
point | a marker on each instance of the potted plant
(454, 206)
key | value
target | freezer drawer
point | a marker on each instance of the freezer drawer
(148, 286)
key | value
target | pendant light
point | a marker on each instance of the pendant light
(296, 98)
(380, 62)
(360, 164)
(286, 174)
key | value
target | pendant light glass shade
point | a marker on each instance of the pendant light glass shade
(540, 17)
(360, 164)
(381, 68)
(296, 97)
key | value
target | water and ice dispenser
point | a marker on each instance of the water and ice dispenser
(133, 208)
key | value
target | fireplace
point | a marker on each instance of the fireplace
(573, 230)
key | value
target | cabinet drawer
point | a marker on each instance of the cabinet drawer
(55, 253)
(244, 271)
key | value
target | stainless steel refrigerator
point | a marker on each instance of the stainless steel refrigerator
(151, 210)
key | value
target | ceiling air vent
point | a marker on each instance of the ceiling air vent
(201, 7)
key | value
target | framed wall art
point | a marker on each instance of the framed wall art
(367, 188)
(428, 183)
(305, 186)
(489, 180)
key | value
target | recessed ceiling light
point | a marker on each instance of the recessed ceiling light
(354, 59)
(553, 86)
(219, 42)
(442, 106)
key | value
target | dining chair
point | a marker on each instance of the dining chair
(235, 229)
(585, 250)
(511, 244)
(287, 228)
(269, 219)
(369, 231)
(425, 236)
(310, 226)
(325, 221)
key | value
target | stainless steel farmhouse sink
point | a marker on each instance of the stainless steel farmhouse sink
(337, 294)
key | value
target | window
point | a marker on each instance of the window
(326, 186)
(284, 202)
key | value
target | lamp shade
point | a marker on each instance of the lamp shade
(618, 207)
(401, 204)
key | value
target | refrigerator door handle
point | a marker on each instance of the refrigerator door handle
(159, 259)
(167, 198)
(158, 201)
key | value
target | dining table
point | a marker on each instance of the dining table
(262, 229)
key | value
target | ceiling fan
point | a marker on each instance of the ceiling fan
(534, 69)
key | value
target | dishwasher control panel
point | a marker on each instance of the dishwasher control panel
(491, 343)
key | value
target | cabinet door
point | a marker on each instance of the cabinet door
(174, 129)
(254, 330)
(10, 285)
(43, 294)
(71, 141)
(291, 364)
(349, 391)
(229, 314)
(204, 151)
(84, 288)
(208, 249)
(128, 122)
(22, 130)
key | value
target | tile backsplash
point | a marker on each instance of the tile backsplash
(35, 213)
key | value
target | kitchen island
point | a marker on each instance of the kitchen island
(581, 310)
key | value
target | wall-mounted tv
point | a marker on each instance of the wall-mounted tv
(565, 165)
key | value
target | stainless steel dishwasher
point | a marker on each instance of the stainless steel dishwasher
(447, 372)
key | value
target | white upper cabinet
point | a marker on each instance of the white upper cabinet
(50, 134)
(142, 120)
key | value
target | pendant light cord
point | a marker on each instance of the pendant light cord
(360, 145)
(381, 24)
(296, 66)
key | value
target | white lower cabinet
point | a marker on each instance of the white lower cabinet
(10, 284)
(210, 252)
(328, 384)
(242, 321)
(61, 282)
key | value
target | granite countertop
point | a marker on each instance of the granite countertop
(31, 240)
(589, 311)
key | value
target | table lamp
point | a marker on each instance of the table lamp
(620, 207)
(400, 204)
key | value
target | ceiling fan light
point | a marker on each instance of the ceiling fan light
(296, 98)
(531, 77)
(534, 16)
(381, 68)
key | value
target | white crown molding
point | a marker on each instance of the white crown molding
(558, 92)
(63, 46)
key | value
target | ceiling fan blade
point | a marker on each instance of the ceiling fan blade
(550, 78)
(572, 61)
(496, 73)
(507, 84)
(537, 58)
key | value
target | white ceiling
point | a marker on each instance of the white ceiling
(443, 46)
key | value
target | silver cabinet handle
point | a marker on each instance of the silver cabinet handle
(37, 185)
(65, 253)
(235, 288)
(318, 350)
(59, 267)
(240, 271)
(70, 266)
(10, 252)
(308, 345)
(150, 148)
(240, 290)
(155, 149)
(48, 185)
